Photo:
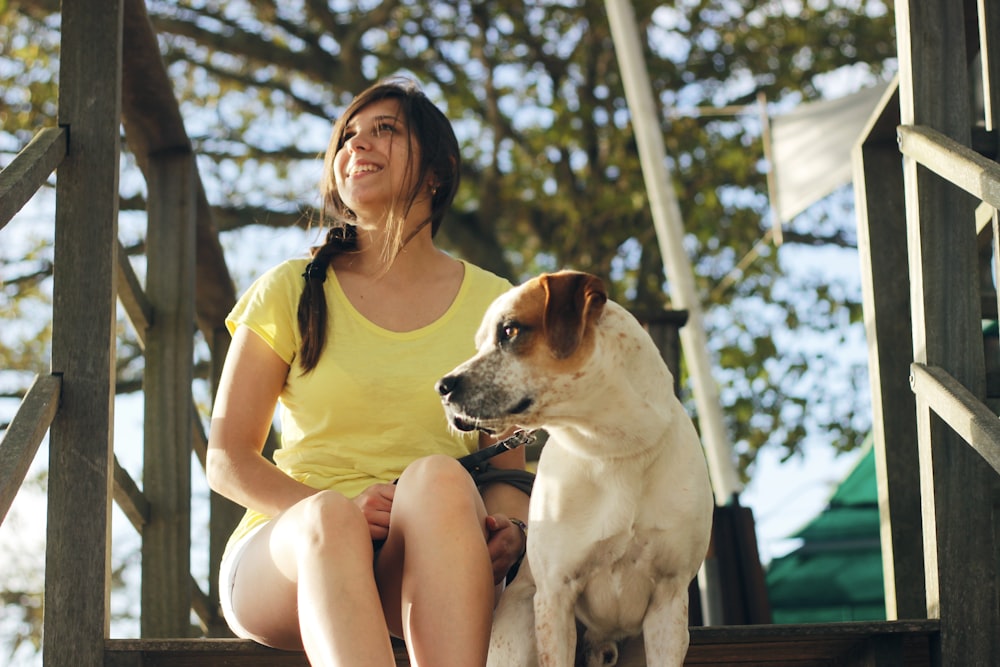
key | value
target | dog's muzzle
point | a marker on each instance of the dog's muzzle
(469, 409)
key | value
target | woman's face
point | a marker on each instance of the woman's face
(376, 162)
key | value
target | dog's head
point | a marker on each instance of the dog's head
(534, 341)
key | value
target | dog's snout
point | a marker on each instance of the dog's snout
(447, 384)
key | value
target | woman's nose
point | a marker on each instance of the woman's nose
(357, 143)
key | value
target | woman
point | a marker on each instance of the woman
(331, 556)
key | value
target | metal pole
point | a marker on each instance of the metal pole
(670, 235)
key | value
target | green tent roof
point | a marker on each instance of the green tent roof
(836, 574)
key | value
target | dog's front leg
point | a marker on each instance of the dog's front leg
(555, 625)
(665, 628)
(512, 643)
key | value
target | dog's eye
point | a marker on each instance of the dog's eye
(507, 332)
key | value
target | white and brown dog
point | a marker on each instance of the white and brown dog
(621, 511)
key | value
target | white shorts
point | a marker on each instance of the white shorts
(227, 577)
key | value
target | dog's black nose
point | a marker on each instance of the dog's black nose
(447, 384)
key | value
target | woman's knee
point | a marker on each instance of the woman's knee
(437, 486)
(439, 474)
(323, 521)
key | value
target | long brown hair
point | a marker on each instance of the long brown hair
(439, 164)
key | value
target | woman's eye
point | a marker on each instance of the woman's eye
(383, 128)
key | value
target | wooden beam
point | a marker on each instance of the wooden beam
(130, 499)
(153, 124)
(24, 435)
(77, 554)
(29, 170)
(133, 298)
(170, 283)
(956, 485)
(952, 161)
(963, 412)
(893, 643)
(989, 52)
(881, 211)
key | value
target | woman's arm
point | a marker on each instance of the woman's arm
(503, 502)
(252, 379)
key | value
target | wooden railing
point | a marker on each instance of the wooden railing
(920, 236)
(19, 181)
(73, 404)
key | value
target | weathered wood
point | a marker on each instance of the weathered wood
(24, 435)
(878, 187)
(955, 482)
(989, 51)
(963, 412)
(952, 161)
(822, 644)
(166, 538)
(29, 170)
(77, 554)
(206, 608)
(133, 298)
(129, 498)
(153, 124)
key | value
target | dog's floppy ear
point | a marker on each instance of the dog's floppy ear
(572, 301)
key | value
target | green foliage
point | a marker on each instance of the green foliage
(552, 176)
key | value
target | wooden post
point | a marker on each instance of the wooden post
(956, 485)
(77, 554)
(878, 186)
(166, 539)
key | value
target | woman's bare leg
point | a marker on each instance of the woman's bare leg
(434, 571)
(306, 581)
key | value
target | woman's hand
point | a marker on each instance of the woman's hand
(375, 503)
(506, 543)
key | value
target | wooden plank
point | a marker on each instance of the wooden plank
(880, 207)
(206, 608)
(132, 297)
(78, 526)
(29, 170)
(129, 498)
(952, 161)
(153, 123)
(955, 482)
(821, 644)
(989, 52)
(963, 412)
(166, 538)
(24, 435)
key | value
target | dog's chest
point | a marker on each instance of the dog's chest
(618, 585)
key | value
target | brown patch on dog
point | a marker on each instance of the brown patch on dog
(573, 301)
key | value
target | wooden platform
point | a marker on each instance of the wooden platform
(868, 644)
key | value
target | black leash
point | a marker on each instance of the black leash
(474, 462)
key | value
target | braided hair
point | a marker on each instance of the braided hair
(439, 164)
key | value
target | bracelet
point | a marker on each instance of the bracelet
(517, 564)
(524, 531)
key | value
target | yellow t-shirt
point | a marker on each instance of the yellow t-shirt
(369, 407)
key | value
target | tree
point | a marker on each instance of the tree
(551, 175)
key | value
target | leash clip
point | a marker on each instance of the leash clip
(474, 462)
(520, 438)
